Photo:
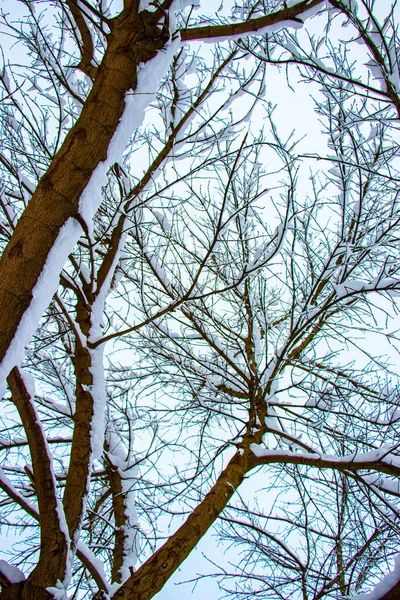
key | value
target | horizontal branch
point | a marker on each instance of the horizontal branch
(229, 30)
(376, 460)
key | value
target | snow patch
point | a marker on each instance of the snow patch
(11, 573)
(136, 102)
(384, 586)
(58, 591)
(42, 294)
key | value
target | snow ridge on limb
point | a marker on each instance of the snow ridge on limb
(86, 556)
(71, 189)
(122, 472)
(289, 16)
(153, 574)
(387, 589)
(378, 460)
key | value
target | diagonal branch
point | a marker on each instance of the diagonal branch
(155, 572)
(56, 200)
(54, 541)
(86, 42)
(83, 553)
(124, 554)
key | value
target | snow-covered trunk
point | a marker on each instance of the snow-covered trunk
(88, 436)
(122, 473)
(53, 567)
(30, 265)
(81, 458)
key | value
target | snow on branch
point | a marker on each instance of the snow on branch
(381, 460)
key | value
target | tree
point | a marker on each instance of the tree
(231, 292)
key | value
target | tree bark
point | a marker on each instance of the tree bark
(291, 13)
(54, 542)
(134, 39)
(155, 572)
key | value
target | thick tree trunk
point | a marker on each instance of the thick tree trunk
(134, 39)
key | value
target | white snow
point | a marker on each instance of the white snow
(381, 455)
(349, 287)
(10, 572)
(59, 591)
(391, 486)
(136, 101)
(384, 586)
(98, 388)
(42, 294)
(29, 383)
(97, 563)
(149, 77)
(128, 472)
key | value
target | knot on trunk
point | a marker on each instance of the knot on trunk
(148, 35)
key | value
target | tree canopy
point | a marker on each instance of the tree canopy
(199, 290)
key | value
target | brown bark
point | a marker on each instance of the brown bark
(30, 510)
(155, 572)
(79, 469)
(391, 91)
(325, 463)
(87, 48)
(54, 544)
(224, 32)
(120, 518)
(80, 463)
(392, 594)
(134, 39)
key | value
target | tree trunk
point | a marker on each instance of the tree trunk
(134, 39)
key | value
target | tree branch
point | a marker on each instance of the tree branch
(251, 26)
(352, 463)
(155, 572)
(54, 542)
(87, 47)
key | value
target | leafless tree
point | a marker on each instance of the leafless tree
(201, 295)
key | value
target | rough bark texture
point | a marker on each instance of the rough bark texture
(80, 463)
(87, 49)
(134, 39)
